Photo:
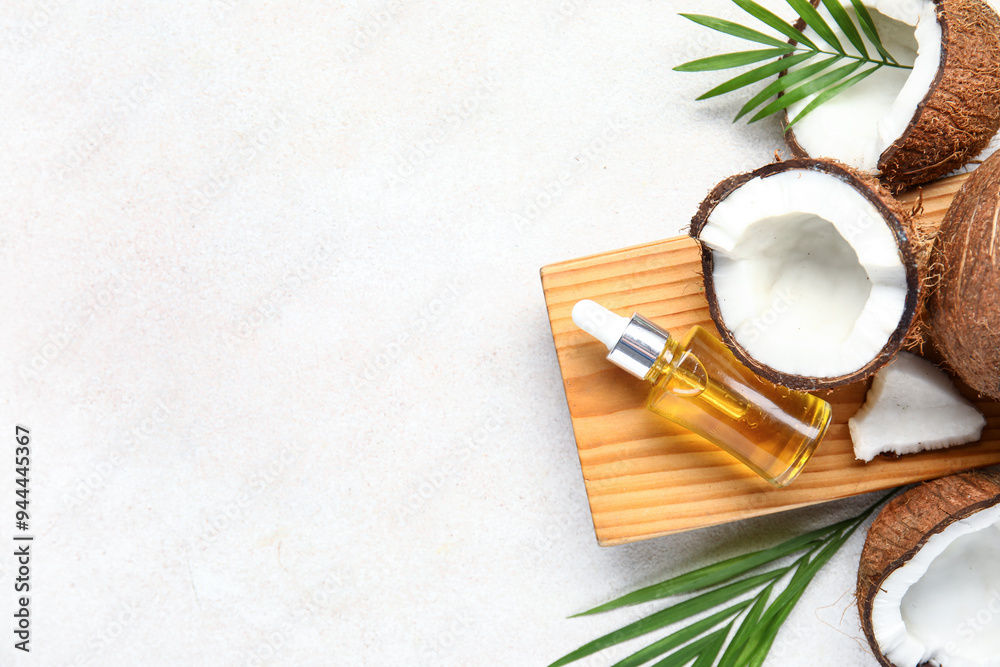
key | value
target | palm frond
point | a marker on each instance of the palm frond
(802, 80)
(761, 619)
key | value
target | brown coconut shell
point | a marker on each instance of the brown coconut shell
(959, 114)
(913, 251)
(964, 309)
(905, 524)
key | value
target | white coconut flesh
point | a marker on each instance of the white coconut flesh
(807, 273)
(943, 605)
(858, 125)
(913, 406)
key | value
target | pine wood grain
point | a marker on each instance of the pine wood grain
(646, 477)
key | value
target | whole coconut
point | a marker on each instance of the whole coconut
(964, 308)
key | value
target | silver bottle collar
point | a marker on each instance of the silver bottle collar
(639, 347)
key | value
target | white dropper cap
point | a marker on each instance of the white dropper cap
(633, 344)
(599, 322)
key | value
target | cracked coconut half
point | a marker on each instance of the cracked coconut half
(813, 273)
(911, 126)
(913, 406)
(928, 582)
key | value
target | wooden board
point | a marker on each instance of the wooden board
(646, 477)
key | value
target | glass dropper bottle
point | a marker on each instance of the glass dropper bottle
(700, 385)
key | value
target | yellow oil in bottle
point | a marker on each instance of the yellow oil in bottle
(699, 384)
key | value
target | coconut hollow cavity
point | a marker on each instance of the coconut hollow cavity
(911, 126)
(928, 583)
(812, 272)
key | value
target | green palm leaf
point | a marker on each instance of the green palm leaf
(728, 60)
(800, 80)
(757, 629)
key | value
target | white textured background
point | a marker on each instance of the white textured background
(271, 310)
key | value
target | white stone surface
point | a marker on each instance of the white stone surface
(271, 311)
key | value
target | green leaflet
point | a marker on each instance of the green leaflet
(729, 60)
(735, 29)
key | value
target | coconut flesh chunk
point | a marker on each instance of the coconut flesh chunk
(913, 406)
(807, 273)
(858, 125)
(943, 606)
